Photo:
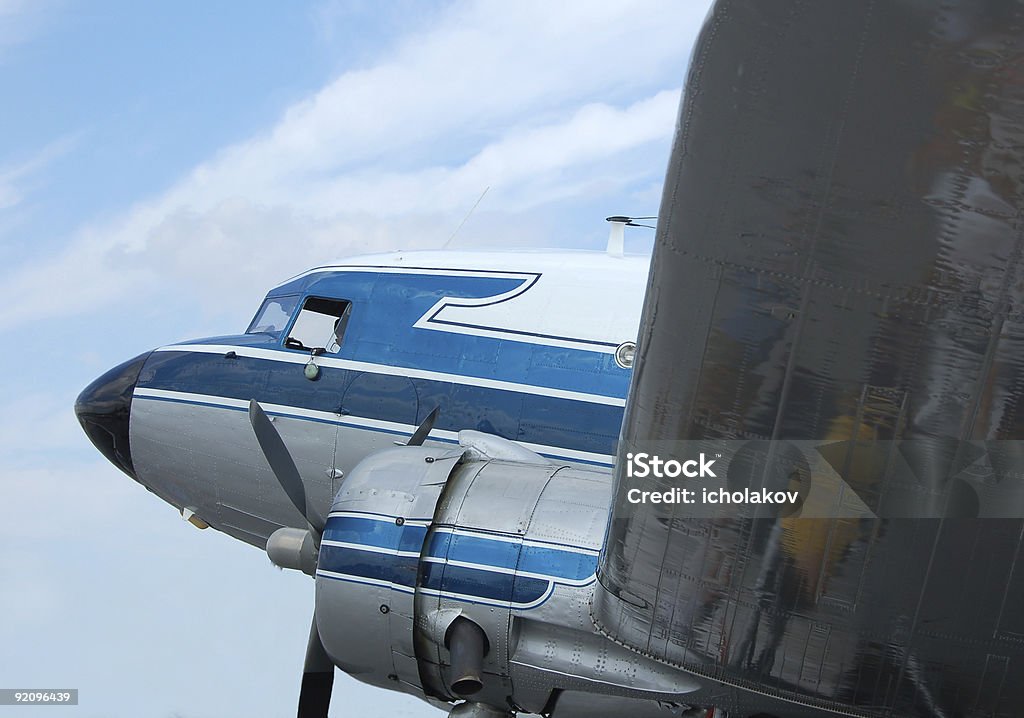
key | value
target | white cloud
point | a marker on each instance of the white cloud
(17, 179)
(539, 100)
(20, 20)
(594, 132)
(524, 83)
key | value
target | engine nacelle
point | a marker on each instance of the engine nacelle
(369, 560)
(451, 578)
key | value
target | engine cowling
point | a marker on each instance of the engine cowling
(451, 577)
(369, 560)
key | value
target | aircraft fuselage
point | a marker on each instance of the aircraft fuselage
(522, 346)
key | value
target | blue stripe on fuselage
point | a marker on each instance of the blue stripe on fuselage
(473, 549)
(554, 561)
(398, 570)
(498, 574)
(570, 565)
(545, 420)
(374, 532)
(483, 584)
(386, 306)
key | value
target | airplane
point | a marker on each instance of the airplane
(442, 440)
(519, 345)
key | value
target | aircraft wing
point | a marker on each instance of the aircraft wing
(838, 265)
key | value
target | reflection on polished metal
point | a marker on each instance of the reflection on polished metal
(839, 260)
(478, 710)
(104, 411)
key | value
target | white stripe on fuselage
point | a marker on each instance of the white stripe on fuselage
(292, 358)
(437, 271)
(356, 422)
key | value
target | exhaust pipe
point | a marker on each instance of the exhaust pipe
(468, 645)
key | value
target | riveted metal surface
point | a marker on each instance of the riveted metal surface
(572, 509)
(185, 444)
(838, 259)
(554, 646)
(489, 502)
(368, 561)
(502, 498)
(513, 548)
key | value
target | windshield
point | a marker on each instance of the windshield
(273, 316)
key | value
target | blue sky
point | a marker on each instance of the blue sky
(161, 165)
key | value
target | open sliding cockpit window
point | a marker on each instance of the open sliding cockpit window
(320, 325)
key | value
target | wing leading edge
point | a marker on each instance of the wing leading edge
(838, 265)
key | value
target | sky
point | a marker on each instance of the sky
(161, 166)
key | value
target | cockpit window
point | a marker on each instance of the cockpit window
(273, 316)
(320, 325)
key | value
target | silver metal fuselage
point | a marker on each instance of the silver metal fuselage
(517, 345)
(421, 537)
(496, 520)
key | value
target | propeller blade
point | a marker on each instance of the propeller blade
(283, 466)
(423, 430)
(317, 678)
(318, 669)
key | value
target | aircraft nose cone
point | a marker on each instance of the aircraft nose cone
(104, 408)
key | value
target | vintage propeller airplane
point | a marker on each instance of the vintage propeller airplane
(838, 261)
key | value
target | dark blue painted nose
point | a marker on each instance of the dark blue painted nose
(104, 409)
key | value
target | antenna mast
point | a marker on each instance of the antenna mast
(617, 235)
